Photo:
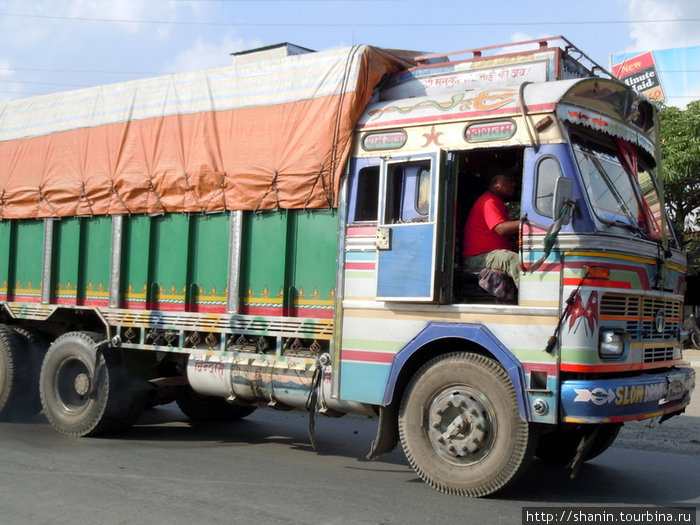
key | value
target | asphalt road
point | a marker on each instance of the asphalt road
(262, 470)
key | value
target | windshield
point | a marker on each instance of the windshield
(620, 186)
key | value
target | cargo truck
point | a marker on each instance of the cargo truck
(286, 232)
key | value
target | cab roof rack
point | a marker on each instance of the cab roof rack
(568, 51)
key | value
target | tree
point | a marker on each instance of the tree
(680, 150)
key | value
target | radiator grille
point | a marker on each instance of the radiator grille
(657, 354)
(638, 315)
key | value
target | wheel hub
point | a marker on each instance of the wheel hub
(82, 384)
(461, 425)
(73, 384)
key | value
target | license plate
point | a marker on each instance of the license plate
(676, 388)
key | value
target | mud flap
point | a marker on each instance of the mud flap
(581, 451)
(387, 432)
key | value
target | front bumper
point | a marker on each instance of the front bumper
(626, 398)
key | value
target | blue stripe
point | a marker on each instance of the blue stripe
(363, 382)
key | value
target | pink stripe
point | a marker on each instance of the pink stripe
(360, 355)
(19, 298)
(272, 311)
(361, 231)
(360, 266)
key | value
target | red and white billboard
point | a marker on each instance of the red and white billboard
(640, 73)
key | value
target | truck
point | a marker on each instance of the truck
(286, 232)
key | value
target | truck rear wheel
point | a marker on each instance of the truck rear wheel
(35, 350)
(460, 427)
(85, 389)
(19, 389)
(201, 408)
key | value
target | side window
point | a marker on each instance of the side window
(394, 192)
(408, 189)
(423, 193)
(548, 171)
(366, 198)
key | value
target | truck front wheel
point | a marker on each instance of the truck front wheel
(460, 427)
(85, 389)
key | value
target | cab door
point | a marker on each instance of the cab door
(407, 234)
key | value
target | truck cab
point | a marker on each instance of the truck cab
(591, 336)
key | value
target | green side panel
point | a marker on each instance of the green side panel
(66, 242)
(288, 263)
(95, 249)
(209, 249)
(313, 251)
(167, 285)
(263, 249)
(28, 260)
(5, 244)
(136, 239)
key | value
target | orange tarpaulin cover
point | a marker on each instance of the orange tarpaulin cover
(274, 134)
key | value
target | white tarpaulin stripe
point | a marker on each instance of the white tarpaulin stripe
(268, 82)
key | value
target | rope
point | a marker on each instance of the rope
(113, 190)
(330, 190)
(153, 189)
(196, 199)
(42, 197)
(273, 187)
(569, 301)
(312, 402)
(325, 190)
(551, 238)
(83, 194)
(221, 188)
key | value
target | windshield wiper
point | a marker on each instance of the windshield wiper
(626, 225)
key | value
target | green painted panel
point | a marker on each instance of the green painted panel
(28, 260)
(288, 263)
(136, 239)
(96, 246)
(313, 251)
(167, 284)
(5, 245)
(66, 242)
(263, 249)
(209, 246)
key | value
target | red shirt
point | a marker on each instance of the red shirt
(488, 211)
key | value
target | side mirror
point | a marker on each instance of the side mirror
(563, 192)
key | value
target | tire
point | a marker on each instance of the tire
(201, 408)
(560, 445)
(460, 427)
(36, 350)
(19, 390)
(85, 389)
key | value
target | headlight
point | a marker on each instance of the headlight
(612, 343)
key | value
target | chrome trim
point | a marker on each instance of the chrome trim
(604, 242)
(234, 262)
(334, 349)
(115, 260)
(48, 256)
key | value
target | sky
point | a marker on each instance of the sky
(57, 45)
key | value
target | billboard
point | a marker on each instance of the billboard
(670, 76)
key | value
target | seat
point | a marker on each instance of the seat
(486, 286)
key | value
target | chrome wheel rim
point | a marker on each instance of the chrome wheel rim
(461, 425)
